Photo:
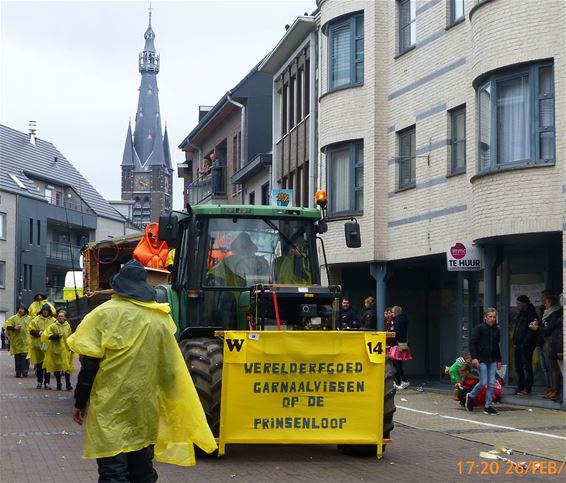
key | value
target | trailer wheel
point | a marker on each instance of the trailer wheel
(204, 359)
(388, 424)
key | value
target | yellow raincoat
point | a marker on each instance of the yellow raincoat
(58, 356)
(35, 307)
(19, 339)
(142, 393)
(39, 322)
(293, 270)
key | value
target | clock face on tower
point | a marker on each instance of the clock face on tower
(141, 182)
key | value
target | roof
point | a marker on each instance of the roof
(293, 37)
(18, 156)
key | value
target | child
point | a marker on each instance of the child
(17, 329)
(58, 357)
(460, 367)
(36, 349)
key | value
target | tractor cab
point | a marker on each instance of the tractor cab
(243, 267)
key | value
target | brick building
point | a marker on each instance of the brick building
(442, 121)
(228, 152)
(294, 123)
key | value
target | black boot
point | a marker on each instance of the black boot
(68, 386)
(58, 379)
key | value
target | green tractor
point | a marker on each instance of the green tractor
(248, 268)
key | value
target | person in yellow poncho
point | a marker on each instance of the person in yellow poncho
(58, 357)
(293, 266)
(141, 400)
(39, 300)
(37, 348)
(16, 328)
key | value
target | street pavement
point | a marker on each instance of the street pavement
(537, 431)
(434, 440)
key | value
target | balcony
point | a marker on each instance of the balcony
(63, 254)
(55, 293)
(208, 186)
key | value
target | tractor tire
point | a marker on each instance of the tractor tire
(204, 358)
(388, 424)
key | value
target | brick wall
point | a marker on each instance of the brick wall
(419, 88)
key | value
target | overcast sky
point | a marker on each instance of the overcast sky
(73, 67)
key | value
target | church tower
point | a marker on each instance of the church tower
(146, 163)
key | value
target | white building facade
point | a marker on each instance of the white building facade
(443, 121)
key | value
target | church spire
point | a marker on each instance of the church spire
(149, 59)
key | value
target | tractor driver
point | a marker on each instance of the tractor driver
(242, 268)
(293, 266)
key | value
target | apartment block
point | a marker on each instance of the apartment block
(441, 122)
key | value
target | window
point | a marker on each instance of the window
(307, 76)
(292, 103)
(265, 194)
(27, 277)
(458, 140)
(407, 168)
(284, 105)
(346, 52)
(136, 212)
(31, 231)
(407, 24)
(300, 78)
(49, 195)
(346, 178)
(456, 10)
(146, 211)
(38, 232)
(252, 198)
(2, 274)
(3, 226)
(516, 118)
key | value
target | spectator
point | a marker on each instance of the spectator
(142, 399)
(348, 318)
(16, 328)
(552, 319)
(368, 319)
(486, 354)
(400, 351)
(459, 368)
(524, 341)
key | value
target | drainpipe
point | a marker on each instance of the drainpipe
(243, 137)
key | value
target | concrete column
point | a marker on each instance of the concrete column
(378, 271)
(489, 276)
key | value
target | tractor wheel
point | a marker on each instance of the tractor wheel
(388, 411)
(204, 359)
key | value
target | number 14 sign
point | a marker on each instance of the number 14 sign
(375, 346)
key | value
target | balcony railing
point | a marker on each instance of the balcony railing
(63, 252)
(206, 186)
(54, 293)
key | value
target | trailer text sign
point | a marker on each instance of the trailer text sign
(302, 387)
